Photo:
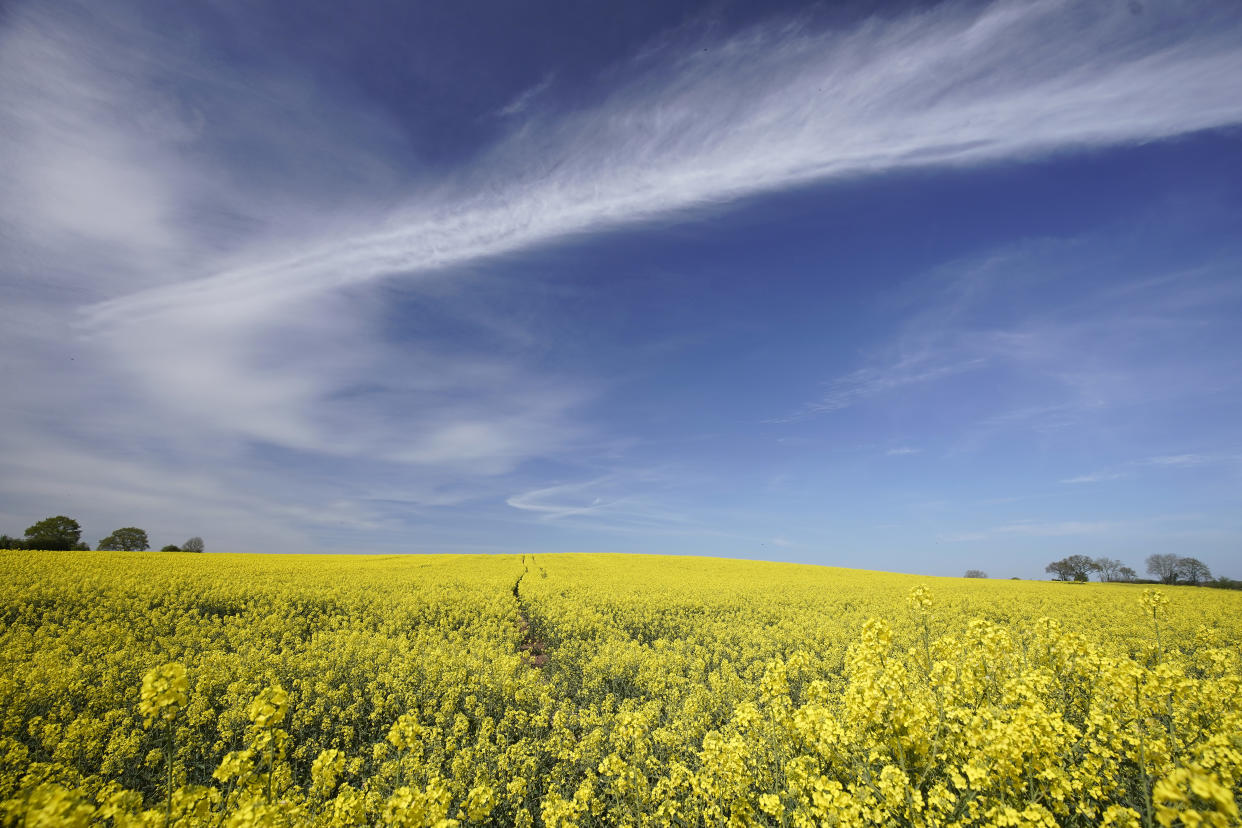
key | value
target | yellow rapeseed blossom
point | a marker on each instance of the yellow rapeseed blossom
(919, 599)
(1153, 600)
(479, 803)
(581, 690)
(269, 707)
(163, 692)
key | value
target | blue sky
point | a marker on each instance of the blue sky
(905, 287)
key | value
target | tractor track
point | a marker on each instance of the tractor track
(533, 648)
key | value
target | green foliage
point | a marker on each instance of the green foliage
(126, 539)
(172, 547)
(58, 533)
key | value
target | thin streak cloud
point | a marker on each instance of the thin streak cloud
(604, 502)
(523, 101)
(782, 105)
(1035, 529)
(1186, 460)
(1098, 477)
(923, 367)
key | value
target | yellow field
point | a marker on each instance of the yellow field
(153, 689)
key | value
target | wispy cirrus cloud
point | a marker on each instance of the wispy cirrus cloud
(525, 98)
(607, 502)
(1002, 348)
(1096, 477)
(781, 104)
(916, 369)
(1191, 459)
(1161, 525)
(1171, 461)
(1036, 529)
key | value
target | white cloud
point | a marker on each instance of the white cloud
(1097, 477)
(1037, 529)
(1191, 459)
(1146, 527)
(525, 98)
(901, 452)
(627, 501)
(1034, 358)
(1173, 461)
(779, 105)
(920, 368)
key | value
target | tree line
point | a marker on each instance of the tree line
(61, 533)
(1165, 568)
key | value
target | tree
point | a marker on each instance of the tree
(8, 542)
(194, 544)
(54, 533)
(127, 539)
(1109, 568)
(1125, 573)
(172, 547)
(1163, 567)
(1193, 570)
(976, 573)
(1073, 568)
(1060, 570)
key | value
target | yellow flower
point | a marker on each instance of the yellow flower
(919, 599)
(771, 805)
(164, 692)
(269, 707)
(479, 803)
(326, 768)
(1153, 600)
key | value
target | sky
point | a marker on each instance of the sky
(896, 286)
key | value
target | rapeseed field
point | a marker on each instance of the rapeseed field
(561, 690)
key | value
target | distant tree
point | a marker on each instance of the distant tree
(1109, 568)
(1125, 573)
(55, 533)
(1163, 567)
(9, 542)
(127, 539)
(1060, 570)
(172, 547)
(1193, 571)
(194, 544)
(976, 573)
(1073, 568)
